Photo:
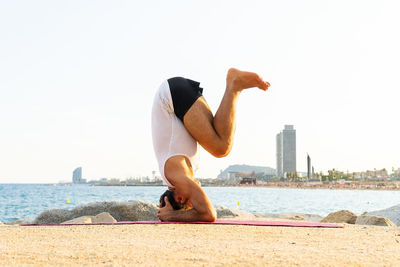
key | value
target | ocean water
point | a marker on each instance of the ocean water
(28, 200)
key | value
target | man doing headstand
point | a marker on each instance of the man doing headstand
(182, 119)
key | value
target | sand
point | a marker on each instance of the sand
(198, 245)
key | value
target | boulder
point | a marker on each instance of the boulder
(392, 213)
(374, 220)
(342, 216)
(121, 211)
(224, 212)
(82, 219)
(99, 218)
(103, 217)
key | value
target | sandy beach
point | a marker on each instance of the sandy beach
(198, 245)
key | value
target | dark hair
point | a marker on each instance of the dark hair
(170, 195)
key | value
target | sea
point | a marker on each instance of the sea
(29, 200)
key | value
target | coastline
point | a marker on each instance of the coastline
(228, 196)
(373, 185)
(392, 186)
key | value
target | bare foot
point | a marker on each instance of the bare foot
(238, 80)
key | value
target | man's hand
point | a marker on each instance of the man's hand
(164, 213)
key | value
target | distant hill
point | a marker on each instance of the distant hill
(245, 168)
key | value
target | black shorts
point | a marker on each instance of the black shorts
(184, 93)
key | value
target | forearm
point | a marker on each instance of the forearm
(202, 210)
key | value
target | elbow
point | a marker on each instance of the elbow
(222, 150)
(220, 155)
(210, 216)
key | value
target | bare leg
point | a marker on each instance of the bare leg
(215, 134)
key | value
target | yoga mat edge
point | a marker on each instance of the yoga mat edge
(219, 222)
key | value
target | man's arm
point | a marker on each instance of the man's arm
(202, 210)
(178, 172)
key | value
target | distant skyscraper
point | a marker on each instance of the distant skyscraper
(77, 176)
(309, 171)
(286, 151)
(279, 171)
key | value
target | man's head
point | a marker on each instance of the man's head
(176, 204)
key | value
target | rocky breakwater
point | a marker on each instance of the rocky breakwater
(119, 211)
(374, 220)
(392, 213)
(136, 210)
(113, 211)
(378, 218)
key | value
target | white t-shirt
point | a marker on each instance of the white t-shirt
(170, 137)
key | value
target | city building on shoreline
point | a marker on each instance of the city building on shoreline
(286, 151)
(371, 175)
(77, 176)
(310, 172)
(241, 170)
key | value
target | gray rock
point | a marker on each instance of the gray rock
(225, 212)
(392, 213)
(21, 221)
(342, 216)
(374, 220)
(121, 211)
(83, 219)
(103, 217)
(99, 218)
(54, 216)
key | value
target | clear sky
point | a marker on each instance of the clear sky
(77, 79)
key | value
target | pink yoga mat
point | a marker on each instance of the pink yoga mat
(224, 222)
